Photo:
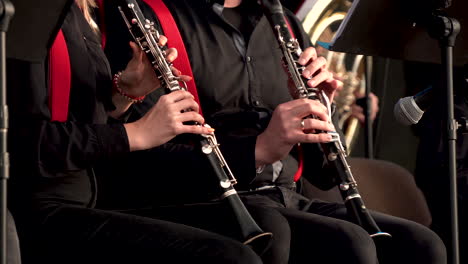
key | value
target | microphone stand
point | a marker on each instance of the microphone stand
(402, 39)
(445, 30)
(6, 13)
(368, 132)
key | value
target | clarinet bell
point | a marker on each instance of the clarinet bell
(380, 237)
(260, 242)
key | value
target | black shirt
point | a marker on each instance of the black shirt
(243, 18)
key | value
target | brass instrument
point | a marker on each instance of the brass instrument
(147, 37)
(321, 23)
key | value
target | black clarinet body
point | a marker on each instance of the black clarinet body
(333, 151)
(147, 37)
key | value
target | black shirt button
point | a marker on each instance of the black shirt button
(256, 103)
(249, 59)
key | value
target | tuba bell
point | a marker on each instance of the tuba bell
(321, 19)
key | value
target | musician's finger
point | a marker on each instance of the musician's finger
(175, 71)
(315, 138)
(355, 108)
(162, 40)
(193, 129)
(137, 52)
(320, 78)
(309, 107)
(315, 124)
(335, 85)
(358, 112)
(374, 104)
(185, 105)
(176, 96)
(332, 87)
(307, 55)
(314, 67)
(298, 102)
(185, 78)
(171, 54)
(360, 117)
(190, 117)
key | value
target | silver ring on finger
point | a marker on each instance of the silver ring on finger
(302, 124)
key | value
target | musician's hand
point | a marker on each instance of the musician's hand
(165, 120)
(285, 129)
(317, 73)
(358, 112)
(139, 78)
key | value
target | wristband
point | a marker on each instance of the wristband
(131, 98)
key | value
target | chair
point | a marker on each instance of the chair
(385, 187)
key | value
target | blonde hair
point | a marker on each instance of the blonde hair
(86, 6)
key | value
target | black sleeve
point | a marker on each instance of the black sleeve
(239, 153)
(53, 145)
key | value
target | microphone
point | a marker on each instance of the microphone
(409, 110)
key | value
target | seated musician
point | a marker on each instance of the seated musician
(53, 187)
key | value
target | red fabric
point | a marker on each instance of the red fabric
(102, 24)
(289, 27)
(172, 33)
(59, 79)
(300, 168)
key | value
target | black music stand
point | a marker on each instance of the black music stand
(400, 32)
(29, 37)
(34, 27)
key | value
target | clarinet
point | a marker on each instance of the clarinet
(146, 36)
(334, 152)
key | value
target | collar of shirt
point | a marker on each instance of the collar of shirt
(218, 5)
(215, 2)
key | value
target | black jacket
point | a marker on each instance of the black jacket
(52, 162)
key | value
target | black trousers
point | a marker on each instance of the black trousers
(69, 234)
(313, 231)
(304, 232)
(321, 232)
